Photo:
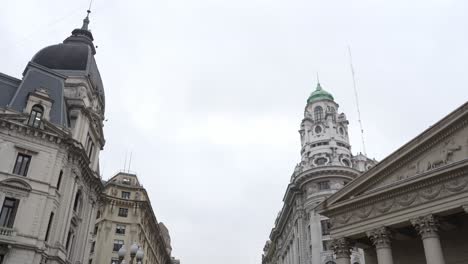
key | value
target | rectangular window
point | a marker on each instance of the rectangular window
(325, 227)
(22, 164)
(93, 245)
(120, 229)
(69, 237)
(324, 185)
(123, 212)
(59, 181)
(126, 181)
(117, 245)
(95, 229)
(125, 195)
(51, 218)
(8, 213)
(89, 147)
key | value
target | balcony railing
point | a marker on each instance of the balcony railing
(6, 231)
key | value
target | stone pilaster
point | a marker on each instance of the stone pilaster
(342, 249)
(428, 227)
(381, 238)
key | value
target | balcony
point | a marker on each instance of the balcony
(7, 233)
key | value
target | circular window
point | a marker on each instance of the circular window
(346, 162)
(318, 129)
(321, 161)
(341, 131)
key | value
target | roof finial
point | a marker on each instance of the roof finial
(86, 21)
(318, 83)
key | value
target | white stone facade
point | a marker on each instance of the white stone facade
(50, 138)
(300, 234)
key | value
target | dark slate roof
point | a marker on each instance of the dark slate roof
(8, 87)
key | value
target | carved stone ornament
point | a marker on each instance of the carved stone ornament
(341, 247)
(380, 237)
(427, 226)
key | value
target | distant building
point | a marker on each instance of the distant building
(300, 234)
(51, 134)
(412, 206)
(126, 217)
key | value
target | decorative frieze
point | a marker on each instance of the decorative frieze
(443, 185)
(427, 226)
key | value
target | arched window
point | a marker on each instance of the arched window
(333, 113)
(35, 117)
(318, 113)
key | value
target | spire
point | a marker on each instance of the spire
(319, 87)
(86, 21)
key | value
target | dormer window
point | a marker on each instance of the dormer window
(35, 117)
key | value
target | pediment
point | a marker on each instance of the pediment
(16, 184)
(450, 150)
(441, 145)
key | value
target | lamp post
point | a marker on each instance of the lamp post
(135, 251)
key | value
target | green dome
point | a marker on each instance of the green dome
(319, 94)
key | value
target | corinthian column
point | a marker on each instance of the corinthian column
(380, 237)
(342, 249)
(427, 227)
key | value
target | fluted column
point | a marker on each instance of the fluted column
(380, 237)
(342, 249)
(427, 227)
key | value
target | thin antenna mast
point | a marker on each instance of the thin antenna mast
(357, 101)
(130, 162)
(125, 163)
(90, 4)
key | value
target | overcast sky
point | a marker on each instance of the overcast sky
(209, 94)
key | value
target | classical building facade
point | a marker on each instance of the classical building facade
(412, 206)
(300, 235)
(51, 134)
(126, 217)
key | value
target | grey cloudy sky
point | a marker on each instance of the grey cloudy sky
(209, 94)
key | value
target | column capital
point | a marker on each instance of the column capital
(427, 226)
(380, 237)
(341, 247)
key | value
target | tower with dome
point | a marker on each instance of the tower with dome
(300, 235)
(51, 135)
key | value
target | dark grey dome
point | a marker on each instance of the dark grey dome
(63, 57)
(74, 57)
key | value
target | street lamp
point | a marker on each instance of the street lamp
(135, 251)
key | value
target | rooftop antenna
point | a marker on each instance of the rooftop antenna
(130, 162)
(357, 101)
(90, 4)
(125, 163)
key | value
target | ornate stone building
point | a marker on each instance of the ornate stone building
(412, 206)
(126, 217)
(51, 134)
(300, 234)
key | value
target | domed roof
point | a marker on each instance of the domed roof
(63, 57)
(75, 56)
(319, 94)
